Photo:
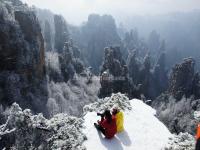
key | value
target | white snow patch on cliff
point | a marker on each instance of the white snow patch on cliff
(142, 131)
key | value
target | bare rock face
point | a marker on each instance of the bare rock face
(8, 58)
(140, 72)
(182, 79)
(22, 61)
(149, 75)
(133, 66)
(21, 42)
(48, 36)
(31, 30)
(145, 76)
(61, 33)
(132, 41)
(65, 60)
(159, 77)
(46, 20)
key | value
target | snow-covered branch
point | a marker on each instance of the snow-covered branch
(197, 116)
(7, 131)
(4, 130)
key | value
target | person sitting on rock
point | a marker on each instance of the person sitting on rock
(119, 119)
(107, 125)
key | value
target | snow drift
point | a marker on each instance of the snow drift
(142, 129)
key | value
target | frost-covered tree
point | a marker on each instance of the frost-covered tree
(23, 130)
(182, 141)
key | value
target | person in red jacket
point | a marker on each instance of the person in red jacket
(107, 125)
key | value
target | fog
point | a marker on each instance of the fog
(77, 11)
(175, 21)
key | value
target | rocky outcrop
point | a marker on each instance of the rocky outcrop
(93, 36)
(70, 84)
(139, 72)
(145, 76)
(183, 80)
(132, 41)
(151, 81)
(48, 36)
(61, 33)
(21, 42)
(22, 60)
(68, 63)
(114, 74)
(154, 41)
(159, 77)
(113, 61)
(46, 20)
(63, 57)
(31, 30)
(66, 54)
(65, 60)
(177, 105)
(134, 66)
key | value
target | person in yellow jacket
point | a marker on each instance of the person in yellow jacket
(119, 115)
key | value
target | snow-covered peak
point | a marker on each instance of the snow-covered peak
(142, 131)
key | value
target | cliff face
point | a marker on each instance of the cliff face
(159, 78)
(22, 60)
(114, 75)
(70, 84)
(182, 80)
(61, 32)
(60, 47)
(177, 105)
(32, 36)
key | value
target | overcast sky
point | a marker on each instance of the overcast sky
(76, 11)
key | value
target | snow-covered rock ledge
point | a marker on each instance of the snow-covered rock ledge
(142, 129)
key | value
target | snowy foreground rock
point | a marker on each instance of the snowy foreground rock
(142, 129)
(63, 132)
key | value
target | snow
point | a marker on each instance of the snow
(70, 98)
(182, 141)
(142, 131)
(197, 116)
